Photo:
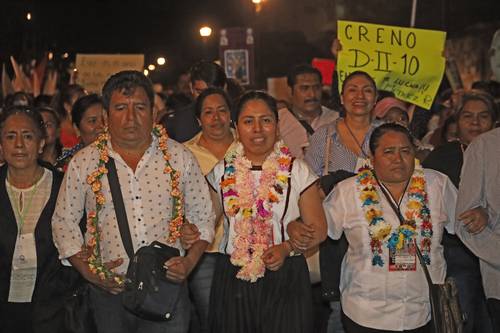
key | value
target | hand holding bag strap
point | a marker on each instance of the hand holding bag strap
(121, 213)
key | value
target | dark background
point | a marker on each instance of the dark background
(287, 31)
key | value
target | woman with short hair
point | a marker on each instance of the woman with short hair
(87, 116)
(388, 209)
(33, 283)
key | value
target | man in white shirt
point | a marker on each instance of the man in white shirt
(306, 114)
(147, 189)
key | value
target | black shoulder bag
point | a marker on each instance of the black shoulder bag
(446, 314)
(148, 294)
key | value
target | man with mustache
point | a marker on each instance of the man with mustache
(306, 113)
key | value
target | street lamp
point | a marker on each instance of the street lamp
(146, 72)
(28, 16)
(161, 61)
(151, 67)
(205, 31)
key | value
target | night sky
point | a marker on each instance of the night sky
(167, 28)
(171, 28)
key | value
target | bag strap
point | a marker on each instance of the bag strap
(327, 149)
(419, 254)
(304, 123)
(121, 213)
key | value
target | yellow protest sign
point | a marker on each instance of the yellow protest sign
(95, 69)
(407, 61)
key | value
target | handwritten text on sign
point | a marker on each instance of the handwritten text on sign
(95, 69)
(406, 61)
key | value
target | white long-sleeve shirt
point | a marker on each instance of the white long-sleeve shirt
(373, 296)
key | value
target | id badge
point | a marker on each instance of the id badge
(24, 267)
(404, 259)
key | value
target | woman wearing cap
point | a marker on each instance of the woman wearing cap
(393, 110)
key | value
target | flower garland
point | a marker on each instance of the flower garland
(417, 212)
(95, 261)
(251, 205)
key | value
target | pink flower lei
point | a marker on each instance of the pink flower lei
(95, 261)
(251, 205)
(416, 213)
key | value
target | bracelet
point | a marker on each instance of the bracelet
(292, 252)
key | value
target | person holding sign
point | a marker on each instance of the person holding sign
(391, 206)
(339, 145)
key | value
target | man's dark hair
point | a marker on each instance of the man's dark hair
(126, 82)
(208, 92)
(291, 78)
(210, 73)
(81, 105)
(257, 95)
(386, 128)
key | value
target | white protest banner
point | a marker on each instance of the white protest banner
(95, 69)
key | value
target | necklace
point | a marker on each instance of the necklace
(360, 146)
(95, 261)
(416, 213)
(251, 205)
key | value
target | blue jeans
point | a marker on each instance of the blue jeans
(200, 285)
(111, 317)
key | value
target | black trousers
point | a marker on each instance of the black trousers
(494, 308)
(351, 327)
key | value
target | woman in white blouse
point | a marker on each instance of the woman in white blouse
(33, 283)
(259, 285)
(383, 287)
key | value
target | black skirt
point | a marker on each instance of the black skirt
(278, 302)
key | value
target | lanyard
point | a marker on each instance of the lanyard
(395, 207)
(21, 216)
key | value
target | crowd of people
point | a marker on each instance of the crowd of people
(288, 216)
